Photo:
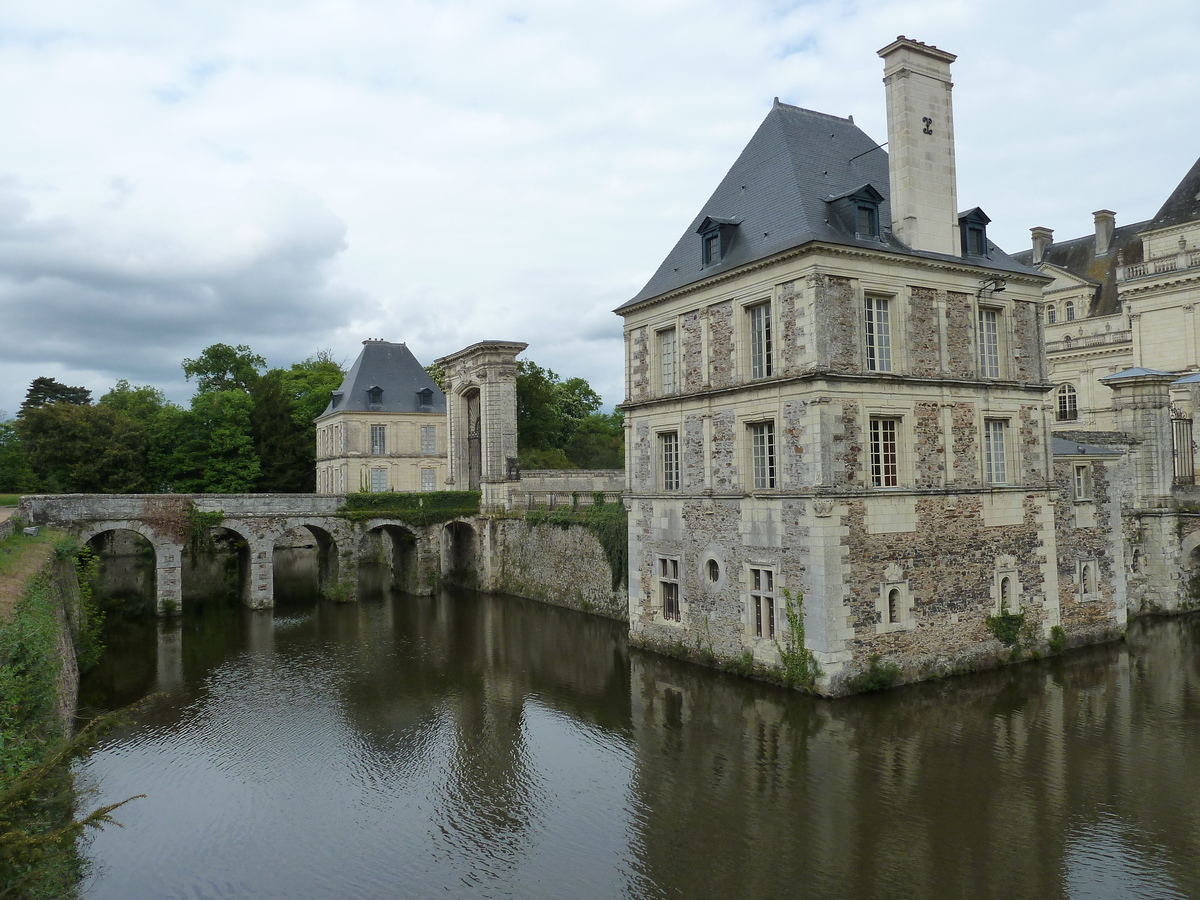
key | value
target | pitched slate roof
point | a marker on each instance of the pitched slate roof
(778, 193)
(393, 369)
(1078, 256)
(1184, 203)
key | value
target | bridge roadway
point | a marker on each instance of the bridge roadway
(419, 555)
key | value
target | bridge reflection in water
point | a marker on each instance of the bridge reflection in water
(466, 745)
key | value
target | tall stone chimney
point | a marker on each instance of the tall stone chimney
(1106, 222)
(1042, 238)
(920, 127)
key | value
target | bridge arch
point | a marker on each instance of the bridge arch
(460, 553)
(333, 540)
(168, 556)
(125, 573)
(395, 549)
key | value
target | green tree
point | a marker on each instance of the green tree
(162, 423)
(559, 423)
(223, 368)
(44, 391)
(84, 449)
(599, 442)
(286, 405)
(217, 453)
(16, 475)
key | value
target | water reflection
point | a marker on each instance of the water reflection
(480, 746)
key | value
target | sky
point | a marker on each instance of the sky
(301, 176)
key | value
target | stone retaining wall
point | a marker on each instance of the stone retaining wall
(560, 566)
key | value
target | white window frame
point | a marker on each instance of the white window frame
(883, 434)
(1051, 314)
(761, 340)
(764, 457)
(428, 480)
(1081, 481)
(379, 480)
(668, 461)
(762, 608)
(877, 332)
(987, 332)
(428, 436)
(995, 451)
(669, 605)
(668, 360)
(1067, 407)
(378, 440)
(1070, 308)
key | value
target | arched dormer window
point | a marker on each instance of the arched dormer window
(1068, 403)
(425, 398)
(1051, 314)
(375, 396)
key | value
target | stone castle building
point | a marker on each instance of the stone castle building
(385, 428)
(1121, 298)
(836, 389)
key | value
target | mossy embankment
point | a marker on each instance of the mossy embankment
(42, 614)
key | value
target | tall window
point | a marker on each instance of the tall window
(879, 335)
(379, 481)
(668, 587)
(378, 440)
(668, 453)
(885, 470)
(1068, 403)
(428, 440)
(762, 602)
(760, 340)
(1070, 311)
(712, 247)
(989, 343)
(667, 355)
(995, 467)
(1083, 481)
(894, 606)
(866, 220)
(762, 447)
(1006, 597)
(1051, 314)
(429, 479)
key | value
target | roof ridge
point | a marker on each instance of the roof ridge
(779, 104)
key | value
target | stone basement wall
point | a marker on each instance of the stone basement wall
(561, 566)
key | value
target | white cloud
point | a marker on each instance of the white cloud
(304, 175)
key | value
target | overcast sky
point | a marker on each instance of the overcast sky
(300, 175)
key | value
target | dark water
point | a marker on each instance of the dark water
(472, 746)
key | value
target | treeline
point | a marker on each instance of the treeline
(246, 428)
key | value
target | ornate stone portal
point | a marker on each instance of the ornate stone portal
(481, 399)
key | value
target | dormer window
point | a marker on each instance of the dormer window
(973, 228)
(335, 399)
(857, 210)
(716, 235)
(375, 396)
(866, 222)
(425, 398)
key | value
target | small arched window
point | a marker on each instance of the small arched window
(714, 571)
(1068, 403)
(1089, 579)
(1070, 310)
(894, 606)
(1051, 314)
(1005, 594)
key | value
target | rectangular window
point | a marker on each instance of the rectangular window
(668, 587)
(989, 343)
(378, 440)
(379, 481)
(429, 479)
(995, 468)
(867, 221)
(762, 602)
(1083, 482)
(879, 335)
(668, 452)
(712, 247)
(666, 346)
(760, 341)
(428, 440)
(885, 470)
(762, 446)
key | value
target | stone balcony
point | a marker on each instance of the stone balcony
(1090, 341)
(1184, 259)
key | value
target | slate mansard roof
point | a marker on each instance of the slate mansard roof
(781, 193)
(395, 371)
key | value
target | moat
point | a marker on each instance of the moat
(464, 745)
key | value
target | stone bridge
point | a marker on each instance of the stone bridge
(419, 555)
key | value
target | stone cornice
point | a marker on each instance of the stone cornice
(943, 265)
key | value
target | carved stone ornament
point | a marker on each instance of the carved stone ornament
(822, 508)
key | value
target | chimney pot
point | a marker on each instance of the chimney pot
(1106, 223)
